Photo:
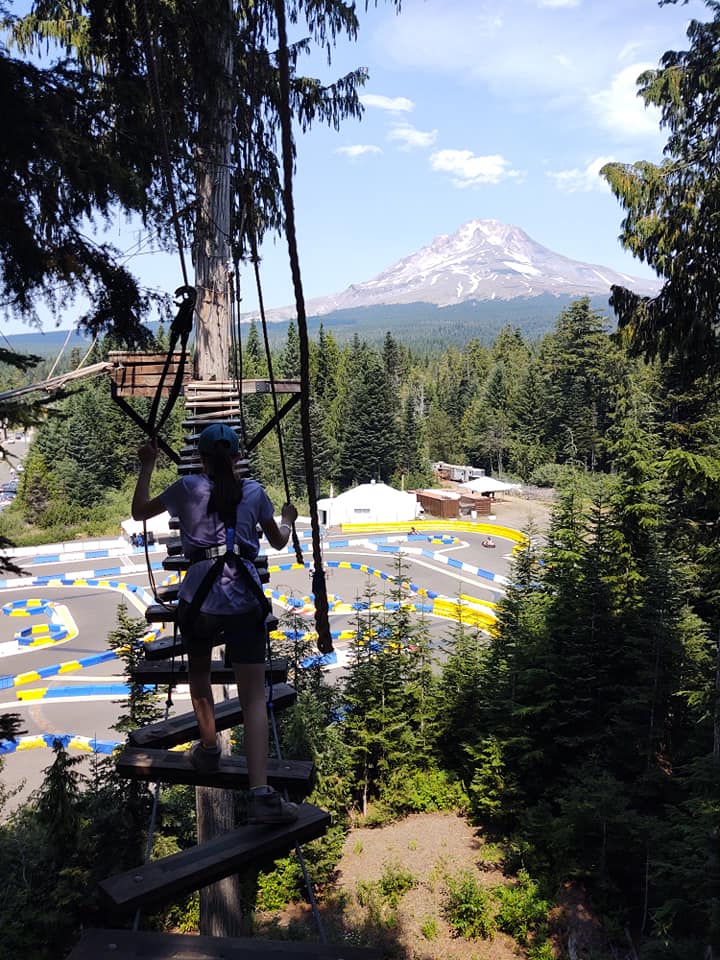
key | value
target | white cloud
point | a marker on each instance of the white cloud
(409, 137)
(619, 108)
(468, 170)
(582, 181)
(629, 50)
(358, 150)
(558, 3)
(393, 104)
(532, 53)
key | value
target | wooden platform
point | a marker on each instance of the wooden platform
(142, 945)
(162, 880)
(173, 766)
(139, 374)
(184, 728)
(175, 672)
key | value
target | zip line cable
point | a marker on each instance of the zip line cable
(322, 621)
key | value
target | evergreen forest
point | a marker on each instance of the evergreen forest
(583, 734)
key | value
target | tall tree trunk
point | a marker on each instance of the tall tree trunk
(221, 911)
(211, 247)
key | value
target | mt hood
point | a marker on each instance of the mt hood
(483, 260)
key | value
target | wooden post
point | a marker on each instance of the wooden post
(220, 903)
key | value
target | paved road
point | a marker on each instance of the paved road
(94, 612)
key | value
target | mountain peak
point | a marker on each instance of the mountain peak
(482, 260)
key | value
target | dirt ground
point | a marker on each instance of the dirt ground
(519, 513)
(428, 847)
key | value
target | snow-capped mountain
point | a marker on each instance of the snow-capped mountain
(483, 260)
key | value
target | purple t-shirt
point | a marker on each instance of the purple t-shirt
(187, 499)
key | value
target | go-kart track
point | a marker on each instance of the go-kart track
(58, 672)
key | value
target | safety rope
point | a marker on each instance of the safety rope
(236, 343)
(322, 620)
(62, 351)
(273, 391)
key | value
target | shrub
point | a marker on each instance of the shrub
(468, 908)
(280, 886)
(410, 790)
(522, 910)
(429, 928)
(395, 883)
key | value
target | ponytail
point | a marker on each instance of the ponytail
(227, 489)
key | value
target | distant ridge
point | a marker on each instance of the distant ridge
(47, 343)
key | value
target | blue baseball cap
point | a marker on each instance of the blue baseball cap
(218, 433)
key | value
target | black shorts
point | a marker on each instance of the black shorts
(243, 634)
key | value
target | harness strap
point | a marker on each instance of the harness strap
(211, 553)
(221, 557)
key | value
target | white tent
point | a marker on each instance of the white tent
(369, 503)
(489, 485)
(159, 526)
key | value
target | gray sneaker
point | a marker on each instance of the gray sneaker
(202, 759)
(270, 808)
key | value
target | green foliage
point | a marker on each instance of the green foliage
(381, 897)
(142, 706)
(395, 882)
(468, 908)
(429, 928)
(281, 886)
(413, 790)
(521, 911)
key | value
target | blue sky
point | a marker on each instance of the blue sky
(473, 110)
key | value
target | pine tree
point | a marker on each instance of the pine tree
(368, 436)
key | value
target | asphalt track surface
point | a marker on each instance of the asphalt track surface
(59, 704)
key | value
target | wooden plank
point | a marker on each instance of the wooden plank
(151, 945)
(164, 648)
(139, 374)
(183, 728)
(166, 766)
(162, 880)
(219, 389)
(175, 672)
(160, 613)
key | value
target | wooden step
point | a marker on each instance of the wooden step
(175, 672)
(167, 594)
(172, 646)
(161, 880)
(160, 613)
(151, 945)
(173, 766)
(184, 728)
(164, 648)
